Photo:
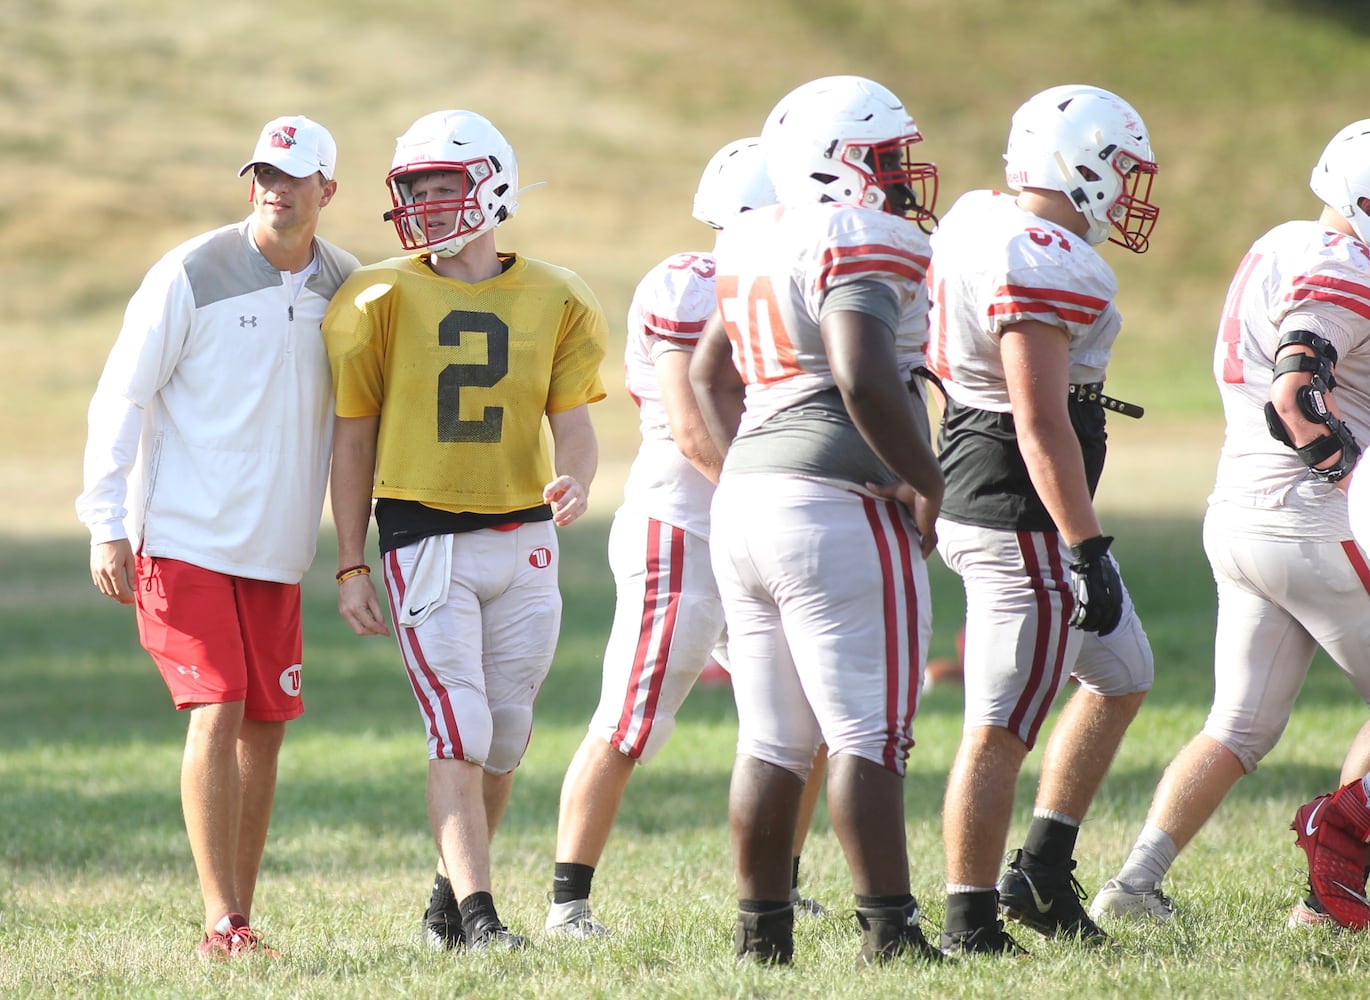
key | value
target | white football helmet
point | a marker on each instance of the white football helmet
(1093, 146)
(460, 142)
(848, 139)
(1342, 177)
(734, 181)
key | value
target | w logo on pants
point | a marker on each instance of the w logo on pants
(540, 557)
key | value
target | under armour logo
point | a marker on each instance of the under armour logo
(247, 321)
(192, 671)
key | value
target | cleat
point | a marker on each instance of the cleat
(803, 906)
(890, 931)
(233, 938)
(1118, 900)
(496, 937)
(573, 919)
(765, 938)
(1046, 898)
(992, 940)
(442, 928)
(1329, 830)
(1308, 912)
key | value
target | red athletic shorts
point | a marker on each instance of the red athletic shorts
(218, 638)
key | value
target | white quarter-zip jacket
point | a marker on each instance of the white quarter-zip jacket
(211, 427)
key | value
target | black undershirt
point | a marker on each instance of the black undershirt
(403, 522)
(987, 481)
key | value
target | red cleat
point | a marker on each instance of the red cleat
(1330, 829)
(233, 938)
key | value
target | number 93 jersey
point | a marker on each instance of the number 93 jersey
(462, 374)
(776, 265)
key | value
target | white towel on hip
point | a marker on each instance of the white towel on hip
(430, 576)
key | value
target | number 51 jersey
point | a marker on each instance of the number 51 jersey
(462, 374)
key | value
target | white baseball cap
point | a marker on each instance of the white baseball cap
(297, 146)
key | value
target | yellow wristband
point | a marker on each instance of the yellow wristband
(351, 571)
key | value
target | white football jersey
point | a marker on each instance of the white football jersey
(775, 267)
(1298, 276)
(995, 265)
(670, 307)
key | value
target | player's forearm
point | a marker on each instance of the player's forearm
(577, 456)
(575, 446)
(350, 484)
(1057, 470)
(717, 386)
(884, 416)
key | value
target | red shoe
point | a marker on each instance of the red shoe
(233, 938)
(1328, 830)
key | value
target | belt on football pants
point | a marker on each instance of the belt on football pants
(1093, 392)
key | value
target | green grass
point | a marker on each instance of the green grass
(125, 122)
(98, 896)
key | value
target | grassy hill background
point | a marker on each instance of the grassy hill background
(122, 125)
(126, 121)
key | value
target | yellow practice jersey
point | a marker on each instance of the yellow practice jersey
(461, 375)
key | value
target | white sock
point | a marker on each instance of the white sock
(1150, 860)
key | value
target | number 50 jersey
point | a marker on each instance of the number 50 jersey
(777, 266)
(462, 374)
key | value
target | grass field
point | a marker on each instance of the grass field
(125, 122)
(97, 895)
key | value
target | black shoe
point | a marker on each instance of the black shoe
(767, 938)
(1046, 898)
(496, 937)
(890, 931)
(992, 940)
(442, 927)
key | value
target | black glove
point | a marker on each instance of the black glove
(1098, 588)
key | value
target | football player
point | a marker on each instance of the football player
(824, 584)
(1292, 363)
(1022, 329)
(446, 362)
(668, 617)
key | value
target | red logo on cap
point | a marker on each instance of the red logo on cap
(283, 138)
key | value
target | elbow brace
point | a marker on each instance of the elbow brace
(1312, 403)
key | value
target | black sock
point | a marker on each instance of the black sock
(1050, 841)
(968, 911)
(571, 881)
(794, 873)
(761, 905)
(883, 902)
(478, 915)
(441, 897)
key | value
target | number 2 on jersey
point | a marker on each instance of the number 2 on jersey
(454, 378)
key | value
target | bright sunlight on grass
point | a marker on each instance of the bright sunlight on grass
(125, 123)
